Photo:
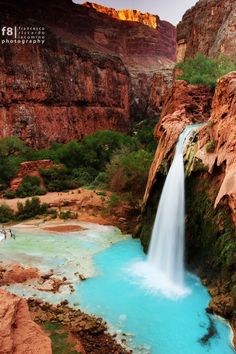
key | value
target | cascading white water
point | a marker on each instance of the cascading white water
(164, 269)
(166, 251)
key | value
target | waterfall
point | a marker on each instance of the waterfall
(164, 268)
(166, 251)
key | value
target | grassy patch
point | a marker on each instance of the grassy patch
(59, 337)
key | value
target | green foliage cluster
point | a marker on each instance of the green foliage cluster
(82, 163)
(58, 178)
(211, 233)
(128, 171)
(12, 150)
(59, 338)
(68, 214)
(144, 133)
(30, 186)
(6, 213)
(31, 208)
(206, 71)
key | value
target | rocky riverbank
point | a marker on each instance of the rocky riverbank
(68, 327)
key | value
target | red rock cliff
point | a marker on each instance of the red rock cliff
(221, 134)
(209, 28)
(92, 72)
(185, 104)
(127, 15)
(18, 333)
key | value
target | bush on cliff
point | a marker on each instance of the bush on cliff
(203, 70)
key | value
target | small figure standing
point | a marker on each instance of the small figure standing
(4, 233)
(13, 235)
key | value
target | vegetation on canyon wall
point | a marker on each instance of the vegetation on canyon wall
(210, 238)
(204, 70)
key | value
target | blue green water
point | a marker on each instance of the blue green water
(162, 325)
(154, 324)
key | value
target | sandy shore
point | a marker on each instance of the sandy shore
(85, 205)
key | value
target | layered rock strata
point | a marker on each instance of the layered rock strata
(93, 72)
(209, 27)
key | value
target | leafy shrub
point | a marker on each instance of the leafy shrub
(68, 214)
(31, 208)
(30, 186)
(95, 150)
(9, 166)
(9, 194)
(6, 213)
(203, 70)
(84, 176)
(128, 171)
(11, 146)
(58, 178)
(101, 180)
(144, 133)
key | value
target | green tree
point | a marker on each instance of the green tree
(30, 186)
(128, 171)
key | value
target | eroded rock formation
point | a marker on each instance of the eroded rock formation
(209, 27)
(127, 15)
(30, 168)
(15, 273)
(186, 104)
(18, 333)
(216, 146)
(93, 72)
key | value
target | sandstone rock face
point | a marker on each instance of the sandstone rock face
(209, 27)
(18, 333)
(92, 71)
(16, 274)
(30, 168)
(186, 104)
(127, 15)
(221, 132)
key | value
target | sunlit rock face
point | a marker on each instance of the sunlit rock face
(18, 333)
(127, 15)
(185, 105)
(216, 146)
(93, 72)
(209, 27)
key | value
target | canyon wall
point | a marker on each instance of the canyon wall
(93, 72)
(209, 27)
